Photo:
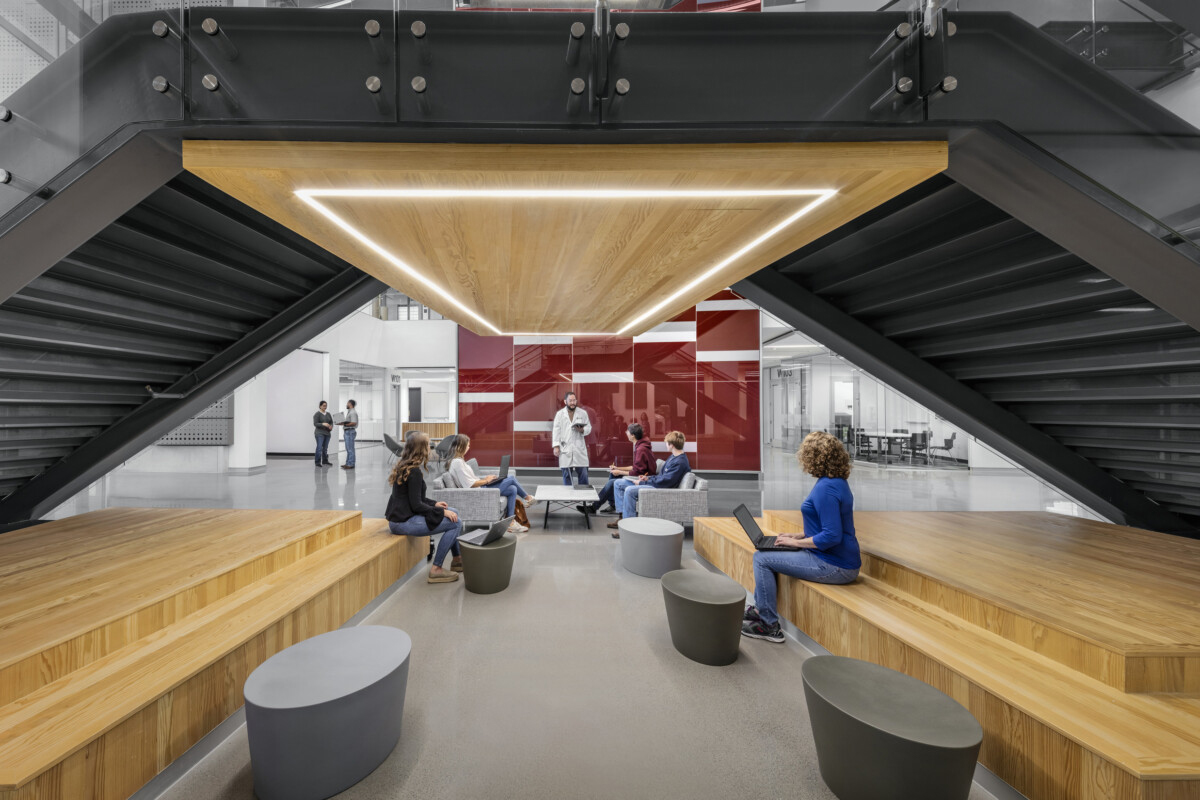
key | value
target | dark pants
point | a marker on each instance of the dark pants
(322, 454)
(607, 494)
(581, 472)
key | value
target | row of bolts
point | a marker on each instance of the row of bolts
(374, 84)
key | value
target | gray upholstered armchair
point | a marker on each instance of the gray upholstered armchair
(475, 507)
(680, 505)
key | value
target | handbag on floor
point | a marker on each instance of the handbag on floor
(519, 513)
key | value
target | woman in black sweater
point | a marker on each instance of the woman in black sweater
(411, 513)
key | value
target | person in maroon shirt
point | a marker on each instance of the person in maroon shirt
(643, 464)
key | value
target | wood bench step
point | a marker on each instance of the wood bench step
(105, 729)
(1051, 732)
(1071, 589)
(80, 588)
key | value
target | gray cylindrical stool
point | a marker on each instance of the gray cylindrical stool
(488, 568)
(650, 547)
(705, 614)
(324, 713)
(882, 735)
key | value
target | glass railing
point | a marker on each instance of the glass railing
(43, 132)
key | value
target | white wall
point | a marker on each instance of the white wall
(249, 450)
(980, 457)
(294, 386)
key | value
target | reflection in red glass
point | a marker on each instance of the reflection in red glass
(490, 427)
(729, 426)
(536, 405)
(484, 362)
(664, 361)
(610, 408)
(542, 363)
(663, 407)
(603, 354)
(727, 330)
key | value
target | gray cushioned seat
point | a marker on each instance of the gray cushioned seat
(881, 735)
(488, 568)
(704, 612)
(322, 714)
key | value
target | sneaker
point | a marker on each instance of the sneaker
(445, 577)
(761, 630)
(516, 527)
(751, 615)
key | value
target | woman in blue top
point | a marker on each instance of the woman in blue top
(828, 550)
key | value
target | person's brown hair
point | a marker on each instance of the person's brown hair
(458, 447)
(675, 439)
(822, 455)
(415, 455)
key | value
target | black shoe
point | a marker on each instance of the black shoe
(606, 510)
(751, 615)
(583, 509)
(761, 630)
(326, 463)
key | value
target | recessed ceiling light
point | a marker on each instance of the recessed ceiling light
(310, 196)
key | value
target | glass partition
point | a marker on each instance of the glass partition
(365, 385)
(42, 133)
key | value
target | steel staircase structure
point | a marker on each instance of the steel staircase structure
(974, 293)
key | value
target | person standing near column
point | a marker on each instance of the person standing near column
(322, 430)
(350, 432)
(571, 425)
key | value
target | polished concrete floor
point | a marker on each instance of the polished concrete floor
(566, 685)
(296, 483)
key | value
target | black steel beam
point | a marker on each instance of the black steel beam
(222, 374)
(961, 405)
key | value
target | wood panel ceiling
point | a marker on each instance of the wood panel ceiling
(562, 238)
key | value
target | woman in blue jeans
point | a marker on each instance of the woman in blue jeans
(828, 550)
(465, 478)
(411, 513)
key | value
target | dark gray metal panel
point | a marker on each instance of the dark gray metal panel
(1080, 216)
(966, 408)
(1185, 12)
(212, 381)
(84, 208)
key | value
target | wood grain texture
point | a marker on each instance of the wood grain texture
(1119, 604)
(1051, 732)
(104, 730)
(524, 265)
(80, 588)
(436, 430)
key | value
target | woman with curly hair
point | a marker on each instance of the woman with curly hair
(828, 550)
(411, 513)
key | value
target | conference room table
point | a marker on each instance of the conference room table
(882, 437)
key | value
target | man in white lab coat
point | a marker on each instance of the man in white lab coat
(571, 425)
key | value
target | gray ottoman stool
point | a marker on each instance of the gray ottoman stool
(705, 614)
(324, 713)
(650, 547)
(488, 568)
(882, 735)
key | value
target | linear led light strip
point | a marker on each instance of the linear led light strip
(310, 196)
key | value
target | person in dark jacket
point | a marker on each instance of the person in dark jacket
(411, 513)
(322, 430)
(643, 464)
(626, 490)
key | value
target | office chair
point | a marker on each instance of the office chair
(947, 447)
(393, 447)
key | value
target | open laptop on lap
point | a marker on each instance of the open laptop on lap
(503, 473)
(760, 542)
(487, 535)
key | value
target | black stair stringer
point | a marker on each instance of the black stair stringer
(975, 414)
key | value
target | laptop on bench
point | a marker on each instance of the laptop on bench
(760, 542)
(490, 534)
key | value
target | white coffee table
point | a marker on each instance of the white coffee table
(566, 496)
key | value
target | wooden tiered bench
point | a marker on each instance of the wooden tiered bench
(1076, 644)
(128, 633)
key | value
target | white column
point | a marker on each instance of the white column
(249, 450)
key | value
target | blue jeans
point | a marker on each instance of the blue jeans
(803, 564)
(607, 494)
(510, 490)
(580, 471)
(348, 436)
(619, 488)
(322, 454)
(628, 507)
(417, 526)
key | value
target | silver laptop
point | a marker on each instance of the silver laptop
(488, 535)
(339, 418)
(503, 473)
(575, 484)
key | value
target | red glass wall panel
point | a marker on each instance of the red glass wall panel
(610, 408)
(738, 371)
(664, 361)
(604, 354)
(484, 362)
(729, 426)
(536, 404)
(541, 363)
(663, 407)
(727, 330)
(490, 426)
